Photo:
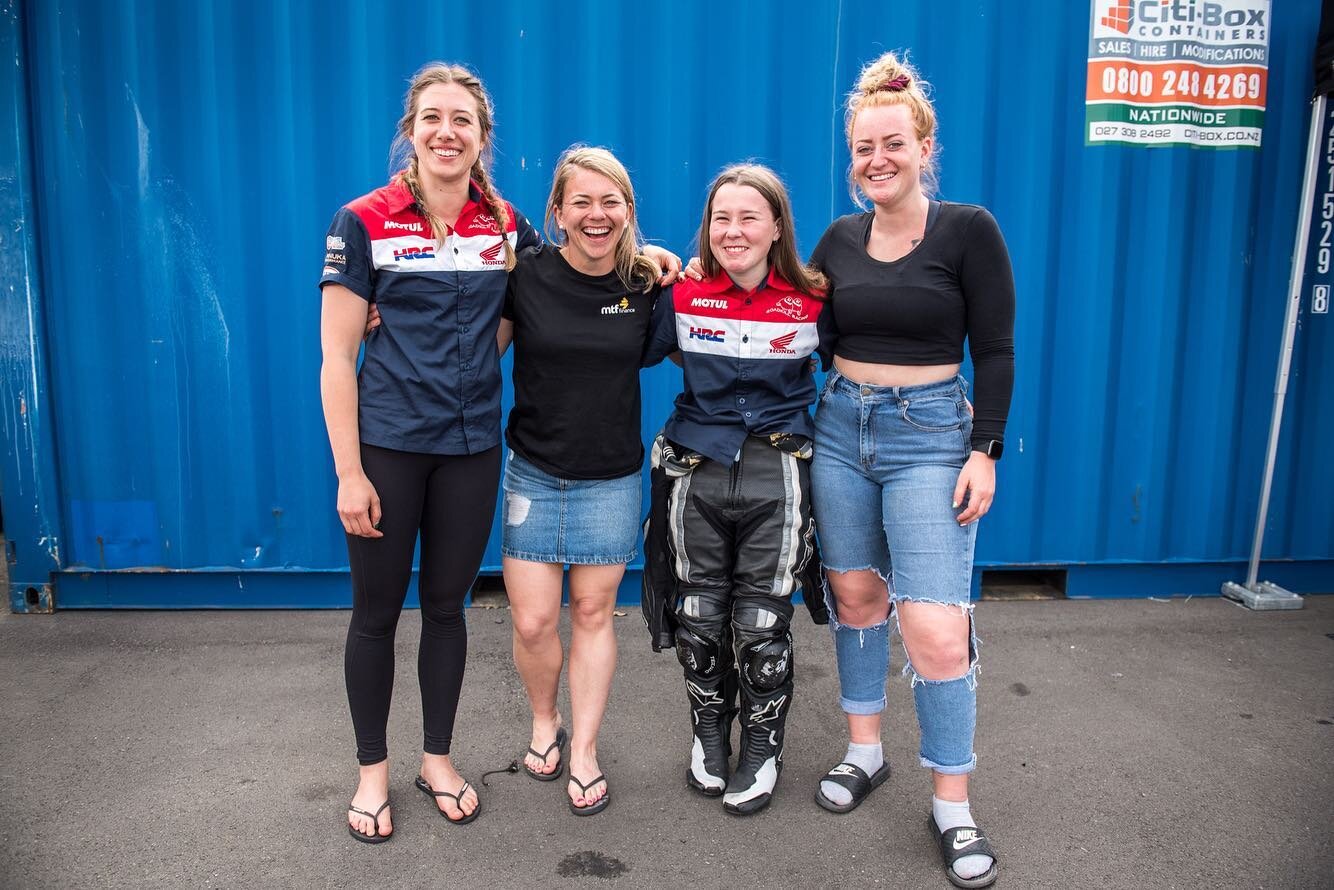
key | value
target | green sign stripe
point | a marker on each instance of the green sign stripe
(1175, 114)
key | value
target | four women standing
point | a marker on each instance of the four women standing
(902, 467)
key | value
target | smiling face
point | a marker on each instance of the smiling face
(887, 156)
(742, 229)
(446, 133)
(594, 214)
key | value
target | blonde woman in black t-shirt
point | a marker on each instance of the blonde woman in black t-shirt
(903, 467)
(578, 310)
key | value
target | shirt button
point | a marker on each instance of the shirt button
(456, 250)
(745, 339)
(464, 329)
(742, 401)
(747, 413)
(747, 302)
(466, 366)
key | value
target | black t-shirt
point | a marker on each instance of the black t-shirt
(918, 309)
(579, 341)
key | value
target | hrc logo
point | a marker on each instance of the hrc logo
(414, 253)
(706, 334)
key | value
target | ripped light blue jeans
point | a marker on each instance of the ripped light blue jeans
(882, 480)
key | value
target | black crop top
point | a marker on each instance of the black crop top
(917, 310)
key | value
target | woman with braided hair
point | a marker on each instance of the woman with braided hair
(416, 434)
(903, 467)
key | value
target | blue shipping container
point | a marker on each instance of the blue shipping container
(172, 168)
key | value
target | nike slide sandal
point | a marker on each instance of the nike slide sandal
(958, 843)
(855, 779)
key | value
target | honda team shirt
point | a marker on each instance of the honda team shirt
(745, 356)
(430, 378)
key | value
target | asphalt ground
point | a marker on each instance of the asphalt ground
(1131, 743)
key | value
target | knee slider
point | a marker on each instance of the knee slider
(699, 654)
(766, 663)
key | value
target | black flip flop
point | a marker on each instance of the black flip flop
(376, 838)
(591, 809)
(458, 801)
(958, 843)
(854, 778)
(559, 745)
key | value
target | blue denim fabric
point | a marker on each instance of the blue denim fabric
(570, 521)
(886, 463)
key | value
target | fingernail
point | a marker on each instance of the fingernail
(955, 505)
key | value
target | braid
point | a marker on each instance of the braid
(496, 207)
(411, 180)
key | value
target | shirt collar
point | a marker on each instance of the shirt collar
(722, 283)
(400, 197)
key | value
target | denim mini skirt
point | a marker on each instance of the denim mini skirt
(570, 521)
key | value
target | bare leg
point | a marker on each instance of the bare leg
(534, 594)
(592, 662)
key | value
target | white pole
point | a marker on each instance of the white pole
(1289, 336)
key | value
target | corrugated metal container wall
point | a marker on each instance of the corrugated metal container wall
(188, 157)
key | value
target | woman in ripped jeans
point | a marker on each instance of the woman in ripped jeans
(902, 468)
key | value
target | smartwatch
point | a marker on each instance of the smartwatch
(992, 449)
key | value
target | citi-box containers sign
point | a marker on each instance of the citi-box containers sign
(1177, 72)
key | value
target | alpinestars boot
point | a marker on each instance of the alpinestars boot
(712, 708)
(761, 760)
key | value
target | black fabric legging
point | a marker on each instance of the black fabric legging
(451, 500)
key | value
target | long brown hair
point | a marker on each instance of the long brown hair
(636, 271)
(441, 73)
(783, 252)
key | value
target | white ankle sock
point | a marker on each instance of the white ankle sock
(956, 814)
(868, 757)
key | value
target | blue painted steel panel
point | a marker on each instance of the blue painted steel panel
(190, 156)
(29, 485)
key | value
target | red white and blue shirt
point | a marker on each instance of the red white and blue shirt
(746, 360)
(430, 378)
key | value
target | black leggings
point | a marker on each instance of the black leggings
(451, 500)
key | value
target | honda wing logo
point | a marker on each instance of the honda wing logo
(492, 255)
(783, 345)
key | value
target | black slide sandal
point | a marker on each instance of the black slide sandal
(853, 778)
(958, 843)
